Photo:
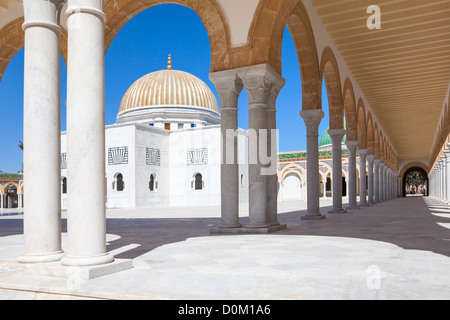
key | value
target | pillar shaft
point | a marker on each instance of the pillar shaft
(229, 86)
(86, 135)
(447, 160)
(272, 149)
(376, 180)
(351, 146)
(336, 137)
(312, 120)
(370, 179)
(42, 132)
(259, 82)
(381, 182)
(362, 177)
(444, 178)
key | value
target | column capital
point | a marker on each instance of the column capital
(228, 86)
(371, 158)
(94, 7)
(312, 120)
(259, 81)
(352, 145)
(377, 162)
(273, 95)
(447, 154)
(40, 13)
(337, 134)
(363, 152)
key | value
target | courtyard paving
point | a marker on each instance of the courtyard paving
(399, 249)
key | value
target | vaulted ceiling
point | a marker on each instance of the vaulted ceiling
(403, 68)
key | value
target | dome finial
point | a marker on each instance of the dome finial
(169, 62)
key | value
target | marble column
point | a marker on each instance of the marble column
(258, 82)
(229, 86)
(376, 180)
(370, 179)
(447, 178)
(1, 200)
(391, 184)
(385, 180)
(86, 212)
(444, 177)
(388, 183)
(440, 179)
(362, 177)
(42, 132)
(272, 149)
(336, 137)
(381, 182)
(352, 146)
(312, 120)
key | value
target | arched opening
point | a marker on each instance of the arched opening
(344, 185)
(322, 185)
(328, 188)
(291, 187)
(64, 185)
(119, 183)
(12, 199)
(415, 182)
(153, 183)
(287, 115)
(11, 108)
(198, 182)
(143, 42)
(350, 111)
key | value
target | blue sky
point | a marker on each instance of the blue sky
(142, 47)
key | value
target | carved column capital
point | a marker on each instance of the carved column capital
(312, 120)
(228, 86)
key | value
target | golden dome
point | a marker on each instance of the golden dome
(171, 88)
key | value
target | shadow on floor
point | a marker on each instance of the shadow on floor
(405, 222)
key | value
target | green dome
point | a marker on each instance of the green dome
(326, 139)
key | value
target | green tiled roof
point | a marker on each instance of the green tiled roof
(299, 155)
(11, 175)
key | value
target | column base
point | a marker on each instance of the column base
(337, 211)
(84, 261)
(258, 225)
(371, 203)
(364, 205)
(313, 217)
(41, 258)
(230, 226)
(352, 208)
(56, 270)
(246, 230)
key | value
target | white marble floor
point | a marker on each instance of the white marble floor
(278, 266)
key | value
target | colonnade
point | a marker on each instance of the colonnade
(5, 202)
(439, 186)
(86, 211)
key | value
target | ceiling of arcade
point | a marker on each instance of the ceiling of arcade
(403, 68)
